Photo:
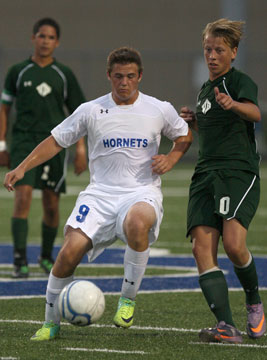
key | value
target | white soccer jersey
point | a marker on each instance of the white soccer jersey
(121, 138)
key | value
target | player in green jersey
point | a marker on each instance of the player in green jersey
(42, 87)
(225, 190)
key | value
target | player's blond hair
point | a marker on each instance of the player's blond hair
(230, 31)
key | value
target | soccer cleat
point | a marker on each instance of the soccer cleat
(48, 331)
(256, 323)
(46, 264)
(124, 314)
(223, 333)
(20, 271)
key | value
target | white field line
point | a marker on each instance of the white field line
(148, 328)
(106, 351)
(182, 291)
(192, 272)
(119, 266)
(239, 345)
(141, 328)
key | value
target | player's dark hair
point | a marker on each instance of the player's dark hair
(46, 21)
(124, 55)
(230, 31)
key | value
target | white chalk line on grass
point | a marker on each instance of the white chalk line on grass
(107, 351)
(20, 297)
(103, 326)
(143, 328)
(224, 344)
(134, 327)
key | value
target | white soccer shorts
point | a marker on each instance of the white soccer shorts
(100, 215)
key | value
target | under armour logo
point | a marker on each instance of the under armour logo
(102, 111)
(27, 83)
(130, 282)
(50, 304)
(148, 200)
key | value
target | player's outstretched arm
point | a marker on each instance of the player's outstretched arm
(190, 117)
(43, 152)
(163, 163)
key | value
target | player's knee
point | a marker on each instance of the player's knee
(51, 211)
(235, 251)
(137, 227)
(22, 206)
(199, 250)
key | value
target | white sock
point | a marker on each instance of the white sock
(54, 287)
(215, 268)
(134, 269)
(247, 264)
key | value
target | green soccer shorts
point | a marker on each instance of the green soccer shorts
(222, 194)
(50, 174)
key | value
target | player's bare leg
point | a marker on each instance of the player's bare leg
(137, 225)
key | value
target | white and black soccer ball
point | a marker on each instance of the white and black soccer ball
(81, 303)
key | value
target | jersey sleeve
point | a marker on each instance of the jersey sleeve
(69, 131)
(247, 89)
(174, 125)
(9, 91)
(75, 95)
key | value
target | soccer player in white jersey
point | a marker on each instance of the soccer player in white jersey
(123, 199)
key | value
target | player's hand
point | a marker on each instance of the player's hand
(12, 177)
(224, 100)
(161, 164)
(4, 159)
(187, 114)
(80, 162)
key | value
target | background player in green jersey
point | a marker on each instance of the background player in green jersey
(224, 193)
(41, 87)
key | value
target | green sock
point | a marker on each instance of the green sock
(19, 230)
(48, 238)
(215, 290)
(249, 280)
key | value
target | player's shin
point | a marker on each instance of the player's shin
(134, 268)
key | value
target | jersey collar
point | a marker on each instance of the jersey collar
(126, 106)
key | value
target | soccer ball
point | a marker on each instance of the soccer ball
(81, 303)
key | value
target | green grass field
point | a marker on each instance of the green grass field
(166, 324)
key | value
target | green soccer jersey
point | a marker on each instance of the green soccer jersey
(225, 140)
(40, 94)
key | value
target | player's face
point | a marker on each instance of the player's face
(218, 56)
(45, 41)
(124, 80)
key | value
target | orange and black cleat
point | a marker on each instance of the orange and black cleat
(256, 322)
(223, 333)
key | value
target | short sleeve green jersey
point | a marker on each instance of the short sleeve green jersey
(225, 140)
(41, 93)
